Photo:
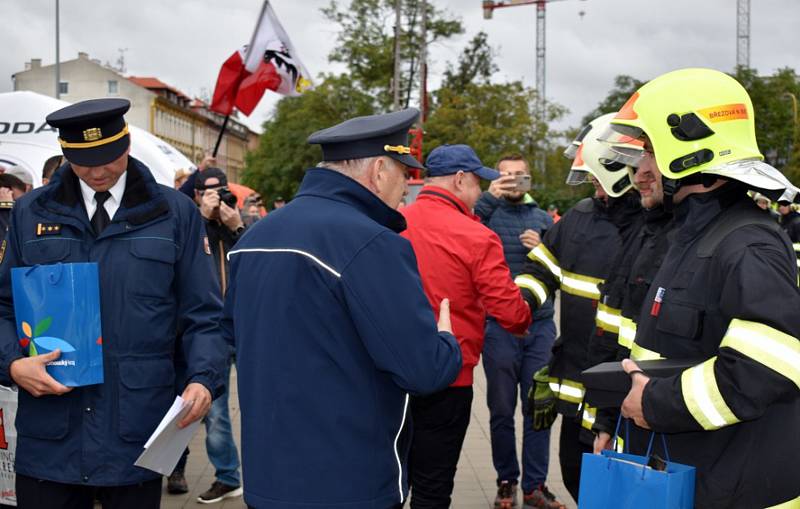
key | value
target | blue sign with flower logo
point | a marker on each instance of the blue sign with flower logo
(57, 307)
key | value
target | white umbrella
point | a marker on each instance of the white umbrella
(27, 141)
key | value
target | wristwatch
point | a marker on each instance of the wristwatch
(239, 231)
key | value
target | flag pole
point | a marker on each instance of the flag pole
(221, 133)
(246, 57)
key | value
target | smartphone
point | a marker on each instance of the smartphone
(522, 183)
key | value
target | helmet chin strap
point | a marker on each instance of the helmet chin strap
(671, 186)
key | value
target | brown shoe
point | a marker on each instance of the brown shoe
(506, 495)
(219, 492)
(541, 498)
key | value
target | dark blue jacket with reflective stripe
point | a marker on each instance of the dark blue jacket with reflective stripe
(332, 332)
(155, 280)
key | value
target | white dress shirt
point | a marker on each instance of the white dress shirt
(111, 204)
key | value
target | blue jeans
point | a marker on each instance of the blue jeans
(220, 446)
(509, 363)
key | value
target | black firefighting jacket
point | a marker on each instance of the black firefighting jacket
(642, 261)
(732, 304)
(575, 256)
(791, 225)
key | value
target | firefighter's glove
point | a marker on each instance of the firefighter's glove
(542, 401)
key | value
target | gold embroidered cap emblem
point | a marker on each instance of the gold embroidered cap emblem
(92, 134)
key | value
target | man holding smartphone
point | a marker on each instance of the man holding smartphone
(510, 361)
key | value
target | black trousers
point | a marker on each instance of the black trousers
(570, 454)
(38, 494)
(439, 426)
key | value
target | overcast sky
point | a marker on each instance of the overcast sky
(184, 42)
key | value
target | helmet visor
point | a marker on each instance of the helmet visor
(577, 177)
(571, 150)
(628, 131)
(622, 148)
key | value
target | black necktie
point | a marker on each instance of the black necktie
(100, 218)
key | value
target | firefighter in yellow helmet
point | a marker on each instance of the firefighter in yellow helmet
(725, 295)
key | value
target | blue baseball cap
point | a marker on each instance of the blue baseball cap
(450, 159)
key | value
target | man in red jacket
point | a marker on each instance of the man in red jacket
(462, 260)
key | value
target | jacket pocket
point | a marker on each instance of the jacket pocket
(679, 320)
(47, 251)
(155, 259)
(146, 391)
(45, 418)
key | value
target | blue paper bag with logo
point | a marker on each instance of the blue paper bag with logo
(616, 480)
(58, 307)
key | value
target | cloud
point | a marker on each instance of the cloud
(183, 42)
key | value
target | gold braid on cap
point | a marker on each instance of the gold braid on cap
(400, 149)
(98, 143)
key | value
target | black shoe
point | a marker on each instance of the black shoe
(176, 483)
(506, 495)
(219, 491)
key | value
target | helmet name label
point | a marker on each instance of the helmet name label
(725, 112)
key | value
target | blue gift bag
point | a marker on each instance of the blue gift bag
(615, 480)
(58, 307)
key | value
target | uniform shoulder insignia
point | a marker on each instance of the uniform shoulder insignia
(47, 229)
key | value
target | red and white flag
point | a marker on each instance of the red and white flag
(269, 62)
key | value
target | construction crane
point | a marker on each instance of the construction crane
(488, 9)
(743, 33)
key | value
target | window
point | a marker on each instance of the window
(63, 87)
(113, 87)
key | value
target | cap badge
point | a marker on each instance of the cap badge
(92, 134)
(400, 149)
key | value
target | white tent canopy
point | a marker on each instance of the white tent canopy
(27, 141)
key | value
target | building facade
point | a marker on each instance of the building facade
(185, 123)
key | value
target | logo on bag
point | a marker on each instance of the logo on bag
(34, 341)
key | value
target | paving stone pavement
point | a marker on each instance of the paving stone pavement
(475, 486)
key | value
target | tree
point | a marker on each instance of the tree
(475, 65)
(624, 87)
(496, 119)
(277, 166)
(776, 130)
(365, 43)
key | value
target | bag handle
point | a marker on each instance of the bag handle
(626, 444)
(53, 275)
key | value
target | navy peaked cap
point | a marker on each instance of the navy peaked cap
(370, 136)
(93, 132)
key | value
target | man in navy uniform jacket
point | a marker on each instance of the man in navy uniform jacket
(75, 444)
(333, 331)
